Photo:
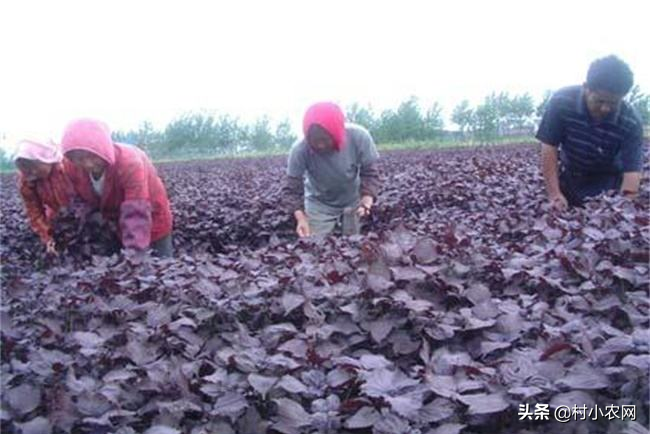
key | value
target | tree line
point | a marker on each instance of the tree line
(205, 134)
(202, 134)
(498, 115)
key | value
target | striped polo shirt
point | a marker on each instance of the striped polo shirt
(608, 147)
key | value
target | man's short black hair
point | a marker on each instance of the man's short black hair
(610, 74)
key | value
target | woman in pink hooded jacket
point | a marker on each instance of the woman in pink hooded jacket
(121, 182)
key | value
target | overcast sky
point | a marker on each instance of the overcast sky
(127, 61)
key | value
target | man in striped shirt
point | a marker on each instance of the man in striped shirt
(592, 140)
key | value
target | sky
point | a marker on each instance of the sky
(128, 61)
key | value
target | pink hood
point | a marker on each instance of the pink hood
(89, 135)
(329, 116)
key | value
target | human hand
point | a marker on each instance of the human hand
(559, 202)
(302, 228)
(365, 205)
(50, 248)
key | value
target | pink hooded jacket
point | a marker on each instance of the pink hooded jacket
(133, 194)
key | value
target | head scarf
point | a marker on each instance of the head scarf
(329, 116)
(45, 152)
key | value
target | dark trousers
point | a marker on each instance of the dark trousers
(577, 187)
(163, 248)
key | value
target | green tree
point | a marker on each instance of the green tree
(485, 122)
(405, 123)
(284, 136)
(386, 128)
(145, 137)
(503, 108)
(409, 119)
(463, 116)
(521, 110)
(362, 116)
(260, 136)
(433, 122)
(230, 136)
(194, 134)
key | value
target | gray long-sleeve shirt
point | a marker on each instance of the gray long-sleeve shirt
(335, 179)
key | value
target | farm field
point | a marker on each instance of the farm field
(464, 299)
